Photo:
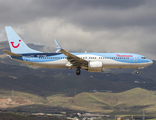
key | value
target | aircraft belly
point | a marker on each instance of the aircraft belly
(50, 64)
(116, 64)
(53, 64)
(62, 64)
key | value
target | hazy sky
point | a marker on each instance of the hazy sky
(84, 25)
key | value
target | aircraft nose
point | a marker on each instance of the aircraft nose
(150, 62)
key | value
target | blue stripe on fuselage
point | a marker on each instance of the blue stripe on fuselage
(45, 54)
(120, 57)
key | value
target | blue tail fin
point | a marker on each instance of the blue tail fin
(16, 44)
(58, 46)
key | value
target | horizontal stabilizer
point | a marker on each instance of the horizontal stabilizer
(12, 54)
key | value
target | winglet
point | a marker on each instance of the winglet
(58, 46)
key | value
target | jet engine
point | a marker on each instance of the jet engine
(94, 66)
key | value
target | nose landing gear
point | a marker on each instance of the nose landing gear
(137, 72)
(78, 71)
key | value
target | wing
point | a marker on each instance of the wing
(73, 59)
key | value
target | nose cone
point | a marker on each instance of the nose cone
(150, 62)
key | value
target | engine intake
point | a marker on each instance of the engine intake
(94, 66)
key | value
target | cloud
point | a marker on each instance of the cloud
(73, 38)
(89, 14)
(78, 25)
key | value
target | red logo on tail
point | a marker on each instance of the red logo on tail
(12, 43)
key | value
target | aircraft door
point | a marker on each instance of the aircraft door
(31, 59)
(135, 58)
(87, 58)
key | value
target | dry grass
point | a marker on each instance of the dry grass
(131, 101)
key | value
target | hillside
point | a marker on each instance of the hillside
(46, 82)
(133, 101)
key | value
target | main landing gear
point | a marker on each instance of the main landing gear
(78, 71)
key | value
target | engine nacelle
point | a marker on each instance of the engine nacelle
(94, 66)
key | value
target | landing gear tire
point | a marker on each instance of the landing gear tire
(78, 72)
(137, 72)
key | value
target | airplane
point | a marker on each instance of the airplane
(92, 62)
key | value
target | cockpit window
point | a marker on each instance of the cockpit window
(143, 57)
